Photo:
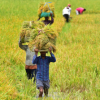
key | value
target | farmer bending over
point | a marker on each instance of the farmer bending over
(80, 10)
(47, 21)
(29, 67)
(66, 12)
(42, 77)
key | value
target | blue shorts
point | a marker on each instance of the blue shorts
(44, 84)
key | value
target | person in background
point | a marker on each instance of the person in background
(80, 10)
(47, 21)
(66, 12)
(29, 67)
(42, 76)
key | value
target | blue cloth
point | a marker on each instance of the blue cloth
(43, 66)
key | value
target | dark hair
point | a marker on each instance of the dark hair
(84, 9)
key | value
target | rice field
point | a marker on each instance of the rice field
(75, 75)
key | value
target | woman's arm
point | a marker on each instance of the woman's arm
(24, 47)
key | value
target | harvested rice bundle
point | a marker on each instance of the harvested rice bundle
(36, 24)
(45, 9)
(40, 8)
(33, 34)
(43, 38)
(36, 32)
(26, 24)
(27, 35)
(33, 24)
(51, 34)
(39, 42)
(48, 30)
(29, 24)
(24, 33)
(53, 41)
(40, 24)
(49, 44)
(30, 27)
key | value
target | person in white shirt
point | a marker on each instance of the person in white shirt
(66, 12)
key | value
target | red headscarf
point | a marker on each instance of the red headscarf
(69, 5)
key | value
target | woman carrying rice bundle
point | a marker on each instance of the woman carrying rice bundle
(47, 21)
(46, 10)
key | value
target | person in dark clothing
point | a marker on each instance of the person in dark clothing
(47, 21)
(66, 13)
(42, 77)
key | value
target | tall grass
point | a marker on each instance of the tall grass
(76, 74)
